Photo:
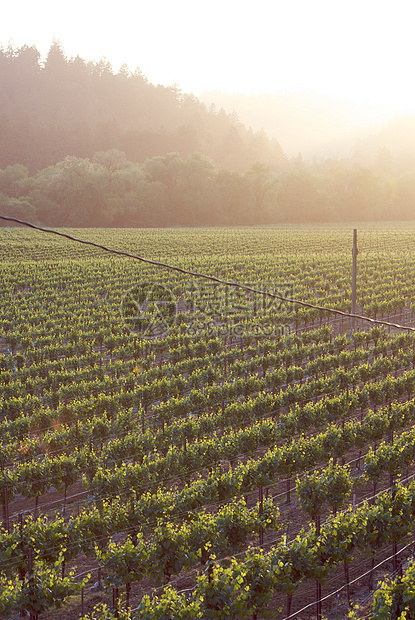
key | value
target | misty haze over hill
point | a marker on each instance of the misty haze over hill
(63, 106)
(81, 145)
(303, 121)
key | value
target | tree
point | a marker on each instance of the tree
(189, 185)
(264, 188)
(55, 63)
(299, 198)
(21, 209)
(26, 71)
(405, 196)
(35, 480)
(77, 193)
(364, 195)
(113, 160)
(46, 587)
(235, 203)
(64, 471)
(13, 180)
(125, 564)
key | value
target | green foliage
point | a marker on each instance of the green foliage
(395, 600)
(332, 485)
(103, 612)
(43, 588)
(168, 435)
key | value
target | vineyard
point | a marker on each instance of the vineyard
(172, 447)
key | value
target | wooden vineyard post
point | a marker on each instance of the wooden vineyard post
(394, 542)
(372, 568)
(143, 418)
(288, 500)
(261, 508)
(289, 603)
(127, 596)
(394, 556)
(6, 509)
(225, 345)
(29, 570)
(354, 272)
(347, 579)
(115, 601)
(318, 584)
(21, 569)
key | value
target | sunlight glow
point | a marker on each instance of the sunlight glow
(360, 51)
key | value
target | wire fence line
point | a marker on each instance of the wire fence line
(214, 279)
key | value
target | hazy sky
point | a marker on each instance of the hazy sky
(356, 49)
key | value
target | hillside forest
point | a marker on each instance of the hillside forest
(81, 145)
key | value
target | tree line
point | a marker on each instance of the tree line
(169, 190)
(65, 106)
(81, 145)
